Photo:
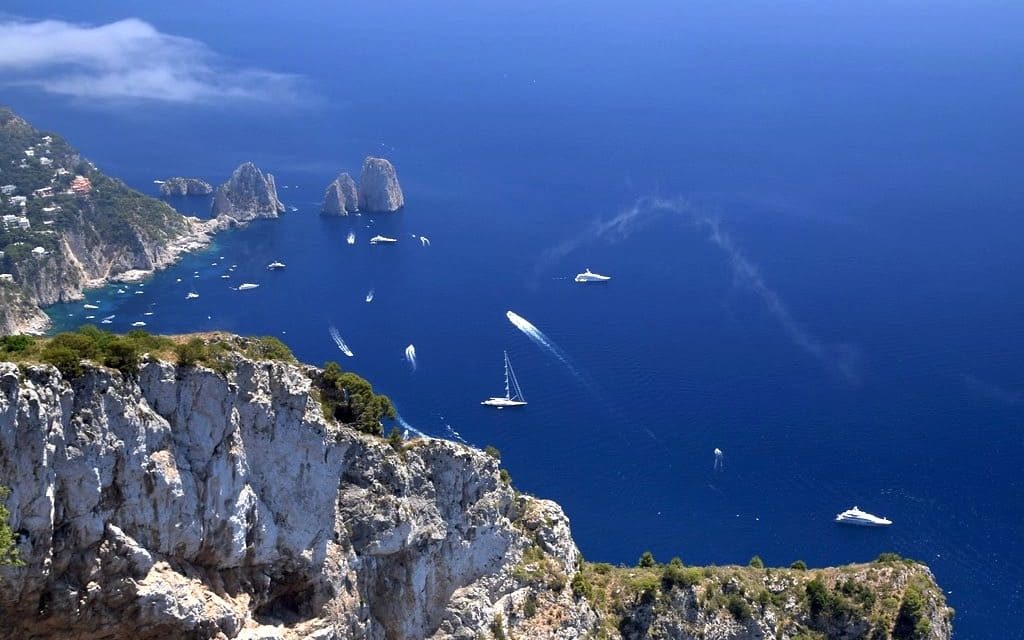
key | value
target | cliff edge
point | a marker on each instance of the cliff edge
(175, 500)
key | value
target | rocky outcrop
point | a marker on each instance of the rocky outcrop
(190, 504)
(185, 187)
(247, 195)
(341, 197)
(378, 187)
(186, 503)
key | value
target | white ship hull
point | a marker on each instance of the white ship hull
(501, 403)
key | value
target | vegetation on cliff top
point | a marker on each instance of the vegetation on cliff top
(887, 599)
(343, 395)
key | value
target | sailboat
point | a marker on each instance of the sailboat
(511, 384)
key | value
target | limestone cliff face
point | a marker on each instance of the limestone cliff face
(189, 504)
(247, 195)
(341, 197)
(378, 187)
(185, 187)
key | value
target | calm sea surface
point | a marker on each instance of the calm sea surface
(812, 216)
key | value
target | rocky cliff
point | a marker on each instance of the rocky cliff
(378, 187)
(247, 195)
(341, 197)
(187, 503)
(185, 187)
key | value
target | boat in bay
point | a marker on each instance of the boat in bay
(590, 276)
(860, 518)
(382, 240)
(513, 394)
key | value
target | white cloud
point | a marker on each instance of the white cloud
(129, 60)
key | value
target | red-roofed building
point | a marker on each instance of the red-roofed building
(81, 186)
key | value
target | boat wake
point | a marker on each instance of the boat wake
(540, 339)
(407, 426)
(339, 342)
(410, 356)
(425, 241)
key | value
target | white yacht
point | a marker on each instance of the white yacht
(89, 306)
(245, 286)
(351, 239)
(590, 276)
(862, 518)
(510, 399)
(191, 295)
(382, 240)
(276, 265)
(140, 323)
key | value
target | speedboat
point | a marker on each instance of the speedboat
(276, 265)
(862, 518)
(382, 240)
(513, 394)
(89, 306)
(245, 286)
(351, 238)
(191, 295)
(590, 276)
(369, 296)
(140, 323)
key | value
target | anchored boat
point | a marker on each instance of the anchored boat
(511, 399)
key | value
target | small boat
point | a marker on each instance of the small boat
(369, 296)
(191, 295)
(140, 323)
(245, 286)
(862, 518)
(178, 280)
(120, 291)
(225, 276)
(89, 317)
(590, 276)
(105, 321)
(148, 313)
(511, 384)
(351, 239)
(110, 317)
(139, 293)
(89, 306)
(293, 208)
(276, 265)
(382, 240)
(425, 241)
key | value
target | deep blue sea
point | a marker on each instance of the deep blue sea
(813, 214)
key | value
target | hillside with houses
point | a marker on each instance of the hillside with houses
(65, 226)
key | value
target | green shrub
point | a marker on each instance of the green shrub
(601, 568)
(498, 627)
(677, 575)
(65, 359)
(911, 621)
(739, 608)
(123, 355)
(646, 560)
(888, 556)
(818, 598)
(530, 605)
(493, 452)
(756, 562)
(190, 353)
(580, 586)
(799, 565)
(346, 397)
(8, 550)
(16, 344)
(395, 439)
(269, 348)
(504, 476)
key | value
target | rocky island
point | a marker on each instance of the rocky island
(341, 197)
(213, 487)
(378, 191)
(247, 195)
(185, 187)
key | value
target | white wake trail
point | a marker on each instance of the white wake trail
(410, 356)
(540, 339)
(339, 342)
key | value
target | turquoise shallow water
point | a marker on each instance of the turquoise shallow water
(835, 300)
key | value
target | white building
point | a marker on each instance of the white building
(45, 161)
(6, 277)
(8, 189)
(38, 252)
(46, 139)
(30, 152)
(19, 201)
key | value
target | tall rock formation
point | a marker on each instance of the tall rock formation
(341, 197)
(187, 503)
(378, 187)
(247, 195)
(185, 187)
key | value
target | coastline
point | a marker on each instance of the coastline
(199, 235)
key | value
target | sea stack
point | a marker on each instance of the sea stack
(341, 197)
(378, 187)
(185, 187)
(247, 195)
